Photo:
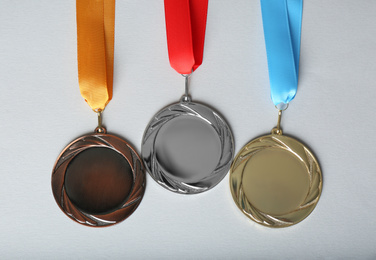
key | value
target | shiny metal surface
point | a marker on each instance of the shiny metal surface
(187, 148)
(275, 180)
(98, 180)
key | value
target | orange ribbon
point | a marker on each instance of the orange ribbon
(95, 50)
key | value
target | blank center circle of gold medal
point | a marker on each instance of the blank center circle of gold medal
(275, 181)
(98, 180)
(187, 148)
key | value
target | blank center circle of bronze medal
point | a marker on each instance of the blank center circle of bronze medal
(186, 147)
(98, 180)
(275, 180)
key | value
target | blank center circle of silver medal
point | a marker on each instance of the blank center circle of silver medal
(187, 148)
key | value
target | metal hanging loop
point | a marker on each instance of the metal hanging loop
(186, 97)
(100, 128)
(277, 130)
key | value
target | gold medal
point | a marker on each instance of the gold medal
(275, 180)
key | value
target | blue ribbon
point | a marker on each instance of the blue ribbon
(282, 21)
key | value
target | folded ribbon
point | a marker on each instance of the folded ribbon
(282, 21)
(185, 29)
(95, 50)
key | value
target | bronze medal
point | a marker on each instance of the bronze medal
(98, 180)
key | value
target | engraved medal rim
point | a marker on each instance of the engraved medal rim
(270, 220)
(212, 179)
(96, 140)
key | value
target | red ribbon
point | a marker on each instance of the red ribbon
(185, 28)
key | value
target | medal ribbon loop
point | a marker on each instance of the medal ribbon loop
(185, 29)
(282, 22)
(95, 50)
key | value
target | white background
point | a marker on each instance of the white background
(333, 113)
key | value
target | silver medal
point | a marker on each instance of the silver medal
(187, 147)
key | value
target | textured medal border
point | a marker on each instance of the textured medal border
(199, 111)
(92, 141)
(297, 149)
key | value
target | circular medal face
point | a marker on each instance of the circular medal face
(98, 180)
(275, 180)
(187, 148)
